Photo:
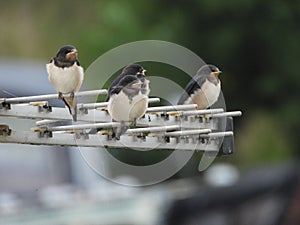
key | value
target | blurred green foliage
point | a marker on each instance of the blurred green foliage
(255, 43)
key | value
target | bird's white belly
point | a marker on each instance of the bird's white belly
(121, 109)
(206, 96)
(65, 80)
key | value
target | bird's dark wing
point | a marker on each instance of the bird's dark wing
(77, 62)
(115, 90)
(191, 87)
(123, 83)
(113, 84)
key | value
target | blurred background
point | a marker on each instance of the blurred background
(256, 45)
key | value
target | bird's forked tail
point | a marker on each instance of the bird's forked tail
(72, 105)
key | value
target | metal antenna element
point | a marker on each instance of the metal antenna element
(163, 126)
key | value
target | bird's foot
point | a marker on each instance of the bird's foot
(116, 136)
(60, 95)
(134, 122)
(72, 95)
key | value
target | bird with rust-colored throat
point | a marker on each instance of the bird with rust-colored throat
(66, 75)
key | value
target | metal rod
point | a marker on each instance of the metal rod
(50, 96)
(226, 114)
(153, 100)
(201, 112)
(83, 126)
(66, 139)
(104, 104)
(46, 122)
(92, 105)
(26, 111)
(172, 108)
(153, 129)
(39, 103)
(94, 116)
(217, 134)
(187, 132)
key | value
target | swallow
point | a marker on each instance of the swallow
(128, 102)
(132, 69)
(66, 75)
(204, 89)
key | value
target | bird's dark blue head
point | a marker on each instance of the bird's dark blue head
(133, 69)
(129, 81)
(130, 85)
(207, 70)
(66, 57)
(67, 52)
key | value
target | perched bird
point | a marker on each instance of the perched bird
(132, 69)
(128, 102)
(66, 75)
(204, 89)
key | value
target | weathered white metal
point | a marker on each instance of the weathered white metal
(187, 132)
(201, 112)
(82, 126)
(226, 114)
(166, 127)
(55, 114)
(101, 141)
(171, 108)
(104, 104)
(50, 96)
(153, 129)
(92, 105)
(217, 134)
